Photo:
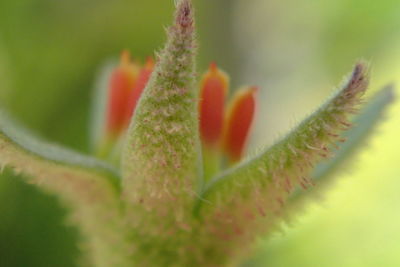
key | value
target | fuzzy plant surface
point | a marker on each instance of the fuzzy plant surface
(167, 184)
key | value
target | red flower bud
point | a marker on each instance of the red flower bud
(238, 120)
(214, 88)
(122, 81)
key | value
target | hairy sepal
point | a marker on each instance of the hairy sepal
(365, 122)
(245, 201)
(87, 187)
(160, 162)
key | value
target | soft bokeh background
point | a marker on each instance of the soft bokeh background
(295, 50)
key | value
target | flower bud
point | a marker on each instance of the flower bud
(123, 79)
(214, 88)
(238, 120)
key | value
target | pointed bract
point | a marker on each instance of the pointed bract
(370, 116)
(160, 161)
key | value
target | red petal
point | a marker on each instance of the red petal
(214, 87)
(122, 81)
(141, 82)
(238, 120)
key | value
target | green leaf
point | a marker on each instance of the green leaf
(364, 124)
(246, 200)
(88, 187)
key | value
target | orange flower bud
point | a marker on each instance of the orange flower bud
(122, 81)
(238, 120)
(140, 84)
(214, 88)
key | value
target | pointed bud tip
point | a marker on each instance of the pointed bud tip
(213, 90)
(359, 70)
(184, 15)
(360, 76)
(215, 77)
(213, 66)
(253, 89)
(125, 57)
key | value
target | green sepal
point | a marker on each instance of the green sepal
(14, 134)
(161, 159)
(364, 123)
(89, 188)
(161, 153)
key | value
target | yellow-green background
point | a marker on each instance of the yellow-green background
(295, 50)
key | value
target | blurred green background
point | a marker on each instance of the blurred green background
(295, 50)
